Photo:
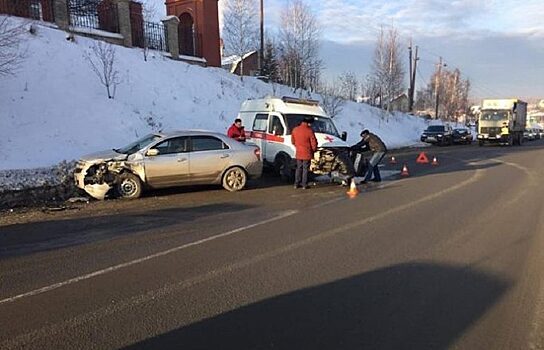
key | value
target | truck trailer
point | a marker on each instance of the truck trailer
(502, 121)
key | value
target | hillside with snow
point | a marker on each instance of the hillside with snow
(55, 108)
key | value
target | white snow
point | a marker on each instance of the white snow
(55, 108)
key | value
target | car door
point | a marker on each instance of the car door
(171, 165)
(258, 133)
(209, 158)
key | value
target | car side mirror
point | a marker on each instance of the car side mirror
(344, 136)
(152, 152)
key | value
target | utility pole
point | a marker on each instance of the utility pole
(410, 76)
(413, 68)
(261, 53)
(437, 88)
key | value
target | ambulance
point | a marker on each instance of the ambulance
(268, 123)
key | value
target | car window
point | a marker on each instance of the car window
(207, 143)
(435, 128)
(171, 146)
(276, 127)
(261, 122)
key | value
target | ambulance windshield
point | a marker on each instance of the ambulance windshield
(320, 124)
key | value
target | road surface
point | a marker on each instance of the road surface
(451, 257)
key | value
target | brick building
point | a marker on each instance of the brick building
(198, 28)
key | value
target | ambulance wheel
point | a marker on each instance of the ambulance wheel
(282, 164)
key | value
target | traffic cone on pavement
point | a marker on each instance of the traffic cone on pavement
(393, 160)
(353, 190)
(404, 172)
(435, 161)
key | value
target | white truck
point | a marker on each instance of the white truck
(269, 121)
(502, 121)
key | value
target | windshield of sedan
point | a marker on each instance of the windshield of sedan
(320, 124)
(435, 128)
(494, 115)
(138, 145)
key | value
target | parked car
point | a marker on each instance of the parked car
(169, 159)
(529, 135)
(462, 135)
(438, 134)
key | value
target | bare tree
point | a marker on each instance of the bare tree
(349, 85)
(299, 45)
(102, 61)
(11, 54)
(331, 98)
(387, 67)
(240, 29)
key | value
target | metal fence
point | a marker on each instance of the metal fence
(41, 10)
(94, 15)
(149, 35)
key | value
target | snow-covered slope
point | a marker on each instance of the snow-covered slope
(55, 108)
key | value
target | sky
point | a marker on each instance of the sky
(498, 45)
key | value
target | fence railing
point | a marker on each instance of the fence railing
(149, 35)
(41, 10)
(92, 15)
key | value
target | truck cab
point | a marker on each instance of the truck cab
(502, 121)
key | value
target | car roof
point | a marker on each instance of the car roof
(189, 132)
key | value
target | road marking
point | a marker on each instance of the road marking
(146, 258)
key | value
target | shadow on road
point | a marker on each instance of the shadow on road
(48, 235)
(407, 306)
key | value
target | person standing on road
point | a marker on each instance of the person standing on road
(236, 131)
(372, 142)
(303, 138)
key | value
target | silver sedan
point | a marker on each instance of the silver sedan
(169, 159)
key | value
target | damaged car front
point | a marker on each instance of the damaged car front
(99, 173)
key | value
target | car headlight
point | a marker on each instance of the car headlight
(439, 135)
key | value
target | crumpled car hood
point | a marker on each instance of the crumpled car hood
(103, 156)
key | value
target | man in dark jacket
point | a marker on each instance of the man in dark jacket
(371, 142)
(236, 131)
(303, 138)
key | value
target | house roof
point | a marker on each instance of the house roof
(234, 60)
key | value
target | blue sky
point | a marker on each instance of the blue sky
(499, 45)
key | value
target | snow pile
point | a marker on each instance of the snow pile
(55, 109)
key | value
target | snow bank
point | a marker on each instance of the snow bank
(55, 109)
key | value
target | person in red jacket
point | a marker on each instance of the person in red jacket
(236, 131)
(303, 138)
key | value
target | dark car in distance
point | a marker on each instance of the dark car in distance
(462, 136)
(438, 134)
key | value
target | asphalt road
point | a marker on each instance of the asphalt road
(450, 257)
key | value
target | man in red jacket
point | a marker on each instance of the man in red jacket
(303, 138)
(236, 131)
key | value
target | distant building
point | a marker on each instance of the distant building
(400, 103)
(251, 63)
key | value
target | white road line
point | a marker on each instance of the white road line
(146, 258)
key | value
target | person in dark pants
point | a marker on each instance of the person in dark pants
(371, 142)
(303, 138)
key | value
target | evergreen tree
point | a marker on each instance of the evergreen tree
(269, 67)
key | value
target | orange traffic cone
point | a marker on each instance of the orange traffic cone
(353, 190)
(435, 161)
(404, 172)
(393, 160)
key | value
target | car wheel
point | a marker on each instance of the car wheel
(128, 186)
(234, 179)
